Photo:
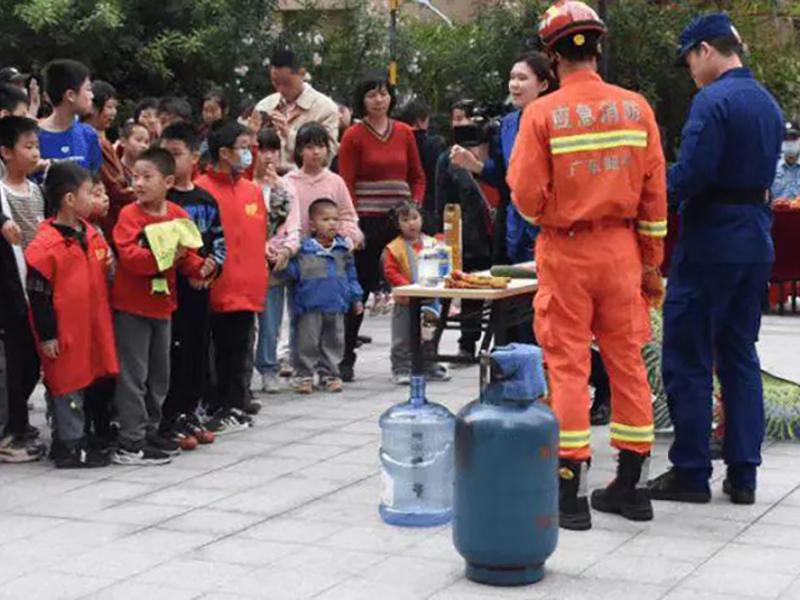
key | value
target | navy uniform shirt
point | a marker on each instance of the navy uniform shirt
(730, 146)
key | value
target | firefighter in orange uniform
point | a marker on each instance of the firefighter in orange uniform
(588, 168)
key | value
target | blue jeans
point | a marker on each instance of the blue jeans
(269, 328)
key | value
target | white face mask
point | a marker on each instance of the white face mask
(791, 149)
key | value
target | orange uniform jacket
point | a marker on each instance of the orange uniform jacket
(592, 151)
(243, 283)
(80, 298)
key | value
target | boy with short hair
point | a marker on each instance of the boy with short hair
(134, 140)
(67, 284)
(325, 289)
(191, 321)
(22, 212)
(61, 136)
(238, 295)
(144, 297)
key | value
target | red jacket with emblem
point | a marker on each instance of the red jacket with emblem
(242, 286)
(132, 292)
(79, 281)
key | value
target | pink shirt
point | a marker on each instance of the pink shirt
(326, 184)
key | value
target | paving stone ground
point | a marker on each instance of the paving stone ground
(288, 510)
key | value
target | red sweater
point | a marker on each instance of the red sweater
(365, 158)
(132, 291)
(243, 283)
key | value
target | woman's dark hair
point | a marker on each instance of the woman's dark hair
(61, 76)
(310, 134)
(63, 178)
(144, 104)
(172, 105)
(224, 135)
(403, 208)
(102, 92)
(217, 95)
(540, 64)
(375, 81)
(413, 112)
(268, 139)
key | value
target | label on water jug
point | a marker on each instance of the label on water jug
(387, 496)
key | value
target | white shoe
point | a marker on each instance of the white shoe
(401, 378)
(270, 384)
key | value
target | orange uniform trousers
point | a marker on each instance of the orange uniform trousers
(590, 287)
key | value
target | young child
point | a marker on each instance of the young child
(325, 289)
(146, 114)
(190, 322)
(61, 136)
(238, 294)
(21, 373)
(284, 241)
(144, 298)
(67, 284)
(134, 140)
(399, 262)
(19, 149)
(313, 179)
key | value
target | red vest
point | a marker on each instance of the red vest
(243, 283)
(80, 298)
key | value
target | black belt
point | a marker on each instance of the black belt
(730, 196)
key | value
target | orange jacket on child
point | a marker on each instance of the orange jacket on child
(132, 292)
(242, 286)
(79, 282)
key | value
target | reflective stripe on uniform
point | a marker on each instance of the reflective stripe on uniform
(599, 141)
(656, 229)
(574, 439)
(629, 433)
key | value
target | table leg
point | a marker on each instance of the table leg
(500, 313)
(417, 353)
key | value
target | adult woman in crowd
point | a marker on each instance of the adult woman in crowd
(531, 77)
(379, 162)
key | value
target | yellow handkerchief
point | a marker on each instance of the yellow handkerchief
(164, 239)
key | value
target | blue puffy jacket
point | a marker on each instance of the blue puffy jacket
(325, 278)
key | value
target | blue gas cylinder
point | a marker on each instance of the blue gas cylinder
(417, 461)
(505, 506)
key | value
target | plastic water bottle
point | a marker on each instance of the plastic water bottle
(417, 461)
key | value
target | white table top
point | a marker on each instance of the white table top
(516, 287)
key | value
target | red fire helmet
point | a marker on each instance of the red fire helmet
(569, 18)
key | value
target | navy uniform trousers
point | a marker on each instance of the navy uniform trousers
(712, 316)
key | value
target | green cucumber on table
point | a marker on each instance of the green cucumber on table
(513, 272)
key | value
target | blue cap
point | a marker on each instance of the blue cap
(704, 28)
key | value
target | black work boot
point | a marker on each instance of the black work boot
(573, 506)
(627, 495)
(738, 495)
(674, 485)
(76, 455)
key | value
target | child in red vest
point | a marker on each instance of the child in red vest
(238, 295)
(144, 298)
(68, 263)
(399, 262)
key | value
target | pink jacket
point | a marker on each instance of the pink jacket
(325, 185)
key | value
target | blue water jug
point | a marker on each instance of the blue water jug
(505, 510)
(417, 461)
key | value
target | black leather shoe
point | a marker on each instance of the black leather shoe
(625, 495)
(670, 487)
(573, 506)
(738, 495)
(347, 373)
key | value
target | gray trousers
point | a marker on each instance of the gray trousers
(400, 354)
(143, 346)
(69, 420)
(320, 344)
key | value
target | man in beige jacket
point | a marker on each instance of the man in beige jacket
(296, 103)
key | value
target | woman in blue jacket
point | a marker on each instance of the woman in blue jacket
(531, 76)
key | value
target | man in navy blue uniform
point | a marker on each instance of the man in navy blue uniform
(721, 265)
